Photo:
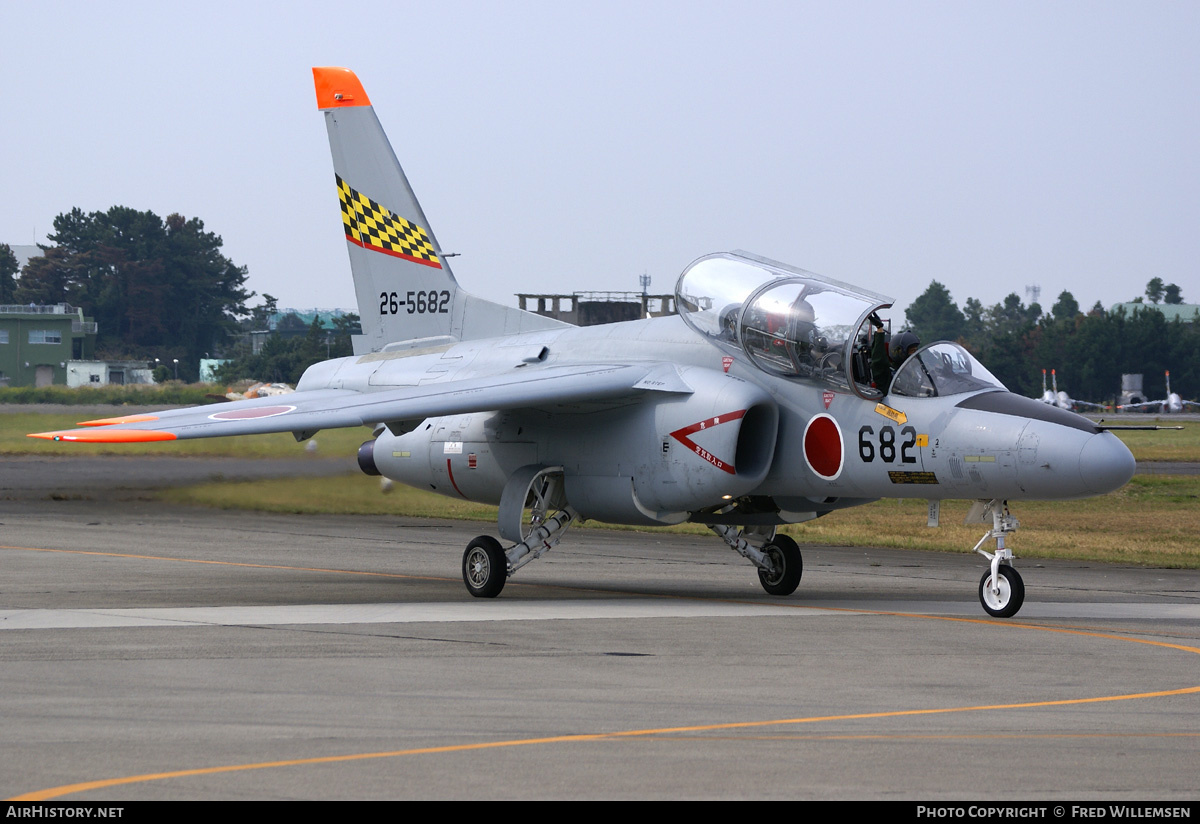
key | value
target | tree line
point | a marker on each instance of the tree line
(1090, 350)
(283, 359)
(163, 289)
(156, 289)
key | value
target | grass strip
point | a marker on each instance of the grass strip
(1153, 521)
(159, 394)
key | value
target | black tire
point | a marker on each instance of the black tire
(788, 566)
(1012, 593)
(484, 567)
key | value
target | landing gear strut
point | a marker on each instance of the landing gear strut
(1001, 590)
(777, 556)
(486, 565)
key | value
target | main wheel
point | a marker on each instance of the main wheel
(1012, 593)
(786, 566)
(484, 567)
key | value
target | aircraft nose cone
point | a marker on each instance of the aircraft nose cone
(1105, 463)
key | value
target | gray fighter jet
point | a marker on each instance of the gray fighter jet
(1170, 404)
(754, 407)
(1057, 397)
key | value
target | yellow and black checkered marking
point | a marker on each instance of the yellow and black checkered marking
(373, 227)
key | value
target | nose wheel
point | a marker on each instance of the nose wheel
(1003, 598)
(1001, 590)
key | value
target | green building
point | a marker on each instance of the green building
(1185, 312)
(36, 342)
(295, 323)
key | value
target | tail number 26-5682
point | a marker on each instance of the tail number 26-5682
(414, 303)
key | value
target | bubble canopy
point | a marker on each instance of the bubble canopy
(942, 369)
(787, 321)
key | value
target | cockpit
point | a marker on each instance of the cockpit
(942, 369)
(800, 325)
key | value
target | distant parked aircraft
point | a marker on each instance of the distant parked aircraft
(1062, 400)
(1171, 403)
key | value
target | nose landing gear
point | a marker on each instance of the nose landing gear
(1001, 590)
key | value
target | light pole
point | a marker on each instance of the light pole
(176, 368)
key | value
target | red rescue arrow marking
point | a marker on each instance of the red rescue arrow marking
(681, 435)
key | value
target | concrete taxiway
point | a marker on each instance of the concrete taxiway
(151, 652)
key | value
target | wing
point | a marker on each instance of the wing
(306, 412)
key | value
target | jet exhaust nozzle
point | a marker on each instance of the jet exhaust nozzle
(366, 458)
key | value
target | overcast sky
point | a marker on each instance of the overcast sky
(574, 146)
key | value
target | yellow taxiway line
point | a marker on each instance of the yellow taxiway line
(69, 789)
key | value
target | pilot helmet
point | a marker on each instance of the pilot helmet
(898, 348)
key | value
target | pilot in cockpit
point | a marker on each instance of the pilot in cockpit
(794, 332)
(886, 357)
(728, 322)
(804, 319)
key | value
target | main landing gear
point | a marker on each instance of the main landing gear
(1001, 590)
(777, 557)
(786, 566)
(486, 565)
(534, 492)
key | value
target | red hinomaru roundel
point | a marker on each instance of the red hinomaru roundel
(823, 448)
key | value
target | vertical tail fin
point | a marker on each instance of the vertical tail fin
(404, 286)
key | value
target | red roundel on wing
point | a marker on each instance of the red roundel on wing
(823, 446)
(250, 414)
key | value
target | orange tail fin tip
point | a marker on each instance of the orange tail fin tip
(338, 87)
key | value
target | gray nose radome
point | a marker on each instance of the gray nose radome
(1105, 463)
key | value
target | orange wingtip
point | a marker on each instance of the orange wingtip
(104, 436)
(338, 87)
(119, 419)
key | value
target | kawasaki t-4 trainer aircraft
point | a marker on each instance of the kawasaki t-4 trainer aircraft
(1171, 403)
(752, 408)
(1059, 398)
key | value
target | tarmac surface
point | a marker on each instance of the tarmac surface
(155, 652)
